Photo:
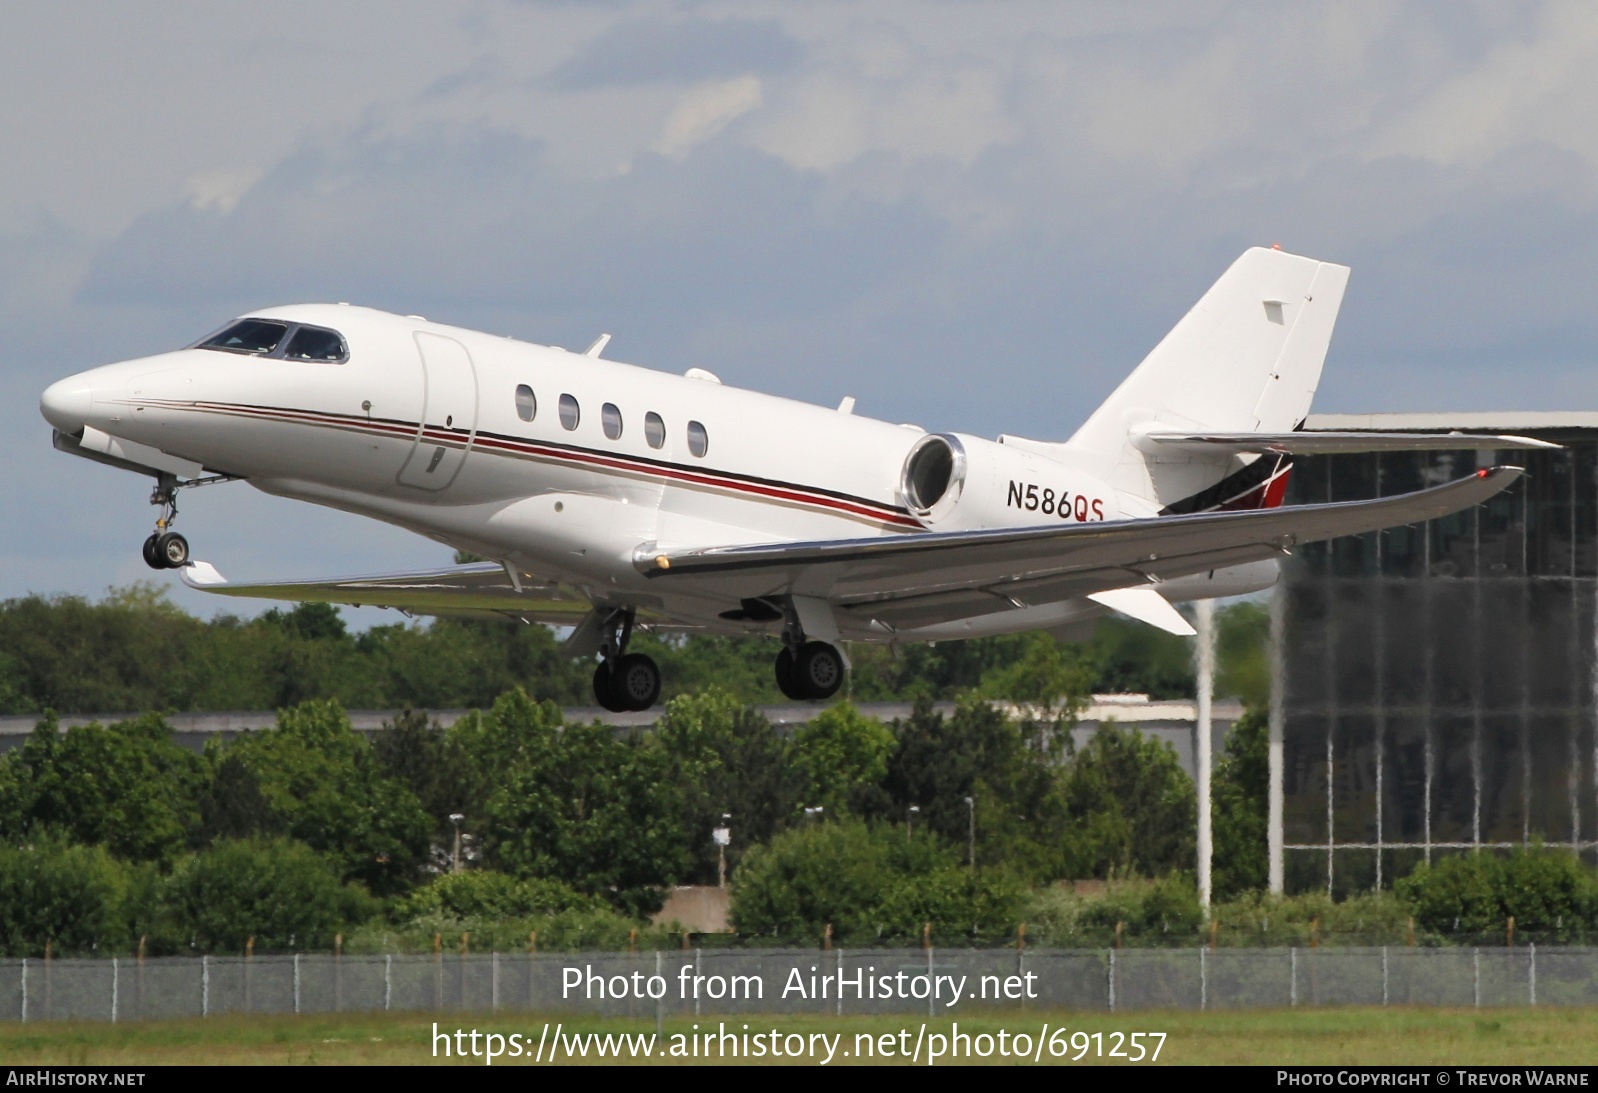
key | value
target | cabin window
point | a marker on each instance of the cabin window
(610, 420)
(654, 430)
(255, 336)
(315, 343)
(570, 415)
(526, 402)
(698, 439)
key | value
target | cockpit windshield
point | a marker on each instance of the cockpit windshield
(290, 341)
(248, 336)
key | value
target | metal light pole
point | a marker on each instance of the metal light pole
(971, 833)
(722, 836)
(455, 858)
(1204, 616)
(909, 822)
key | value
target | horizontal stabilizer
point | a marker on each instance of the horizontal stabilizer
(1333, 443)
(1145, 605)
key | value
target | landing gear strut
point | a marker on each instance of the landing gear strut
(807, 670)
(623, 681)
(166, 549)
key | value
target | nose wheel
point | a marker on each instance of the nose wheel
(165, 548)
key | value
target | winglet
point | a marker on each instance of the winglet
(202, 575)
(598, 347)
(1145, 605)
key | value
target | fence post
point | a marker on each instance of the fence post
(1475, 974)
(931, 979)
(338, 973)
(660, 1003)
(1204, 978)
(24, 990)
(388, 980)
(249, 957)
(1292, 975)
(493, 981)
(1112, 980)
(1531, 975)
(697, 974)
(116, 975)
(1384, 975)
(205, 985)
(296, 982)
(840, 983)
(139, 982)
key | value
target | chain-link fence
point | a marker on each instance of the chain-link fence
(787, 981)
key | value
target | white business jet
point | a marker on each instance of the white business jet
(611, 496)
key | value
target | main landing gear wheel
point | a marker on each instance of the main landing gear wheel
(631, 684)
(816, 673)
(166, 550)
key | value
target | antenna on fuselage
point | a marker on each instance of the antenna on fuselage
(598, 347)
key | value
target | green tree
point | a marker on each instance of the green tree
(1242, 640)
(482, 894)
(127, 786)
(724, 758)
(412, 749)
(71, 896)
(1132, 807)
(278, 891)
(842, 757)
(1239, 804)
(576, 804)
(323, 786)
(1010, 770)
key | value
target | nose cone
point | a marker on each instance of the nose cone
(66, 404)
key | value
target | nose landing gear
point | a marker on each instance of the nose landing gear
(166, 549)
(624, 682)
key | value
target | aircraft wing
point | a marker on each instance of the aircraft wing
(482, 588)
(904, 581)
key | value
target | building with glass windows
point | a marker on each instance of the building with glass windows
(1435, 689)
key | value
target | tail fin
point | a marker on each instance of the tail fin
(1246, 358)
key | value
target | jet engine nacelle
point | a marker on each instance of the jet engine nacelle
(951, 481)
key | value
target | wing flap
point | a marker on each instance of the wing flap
(1125, 552)
(478, 589)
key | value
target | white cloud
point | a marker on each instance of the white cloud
(706, 110)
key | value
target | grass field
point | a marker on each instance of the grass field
(1305, 1036)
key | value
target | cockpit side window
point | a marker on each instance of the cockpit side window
(256, 336)
(315, 343)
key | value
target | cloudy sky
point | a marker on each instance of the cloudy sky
(974, 216)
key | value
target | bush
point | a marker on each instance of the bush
(1476, 893)
(71, 896)
(869, 884)
(488, 895)
(280, 892)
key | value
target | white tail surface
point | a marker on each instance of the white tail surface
(1246, 358)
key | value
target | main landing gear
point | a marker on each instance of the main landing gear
(807, 670)
(165, 548)
(624, 681)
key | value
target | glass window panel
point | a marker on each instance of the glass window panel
(698, 439)
(526, 402)
(654, 430)
(610, 420)
(257, 336)
(570, 413)
(313, 343)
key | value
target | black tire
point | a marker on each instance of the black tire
(818, 670)
(787, 677)
(151, 558)
(172, 550)
(605, 692)
(635, 682)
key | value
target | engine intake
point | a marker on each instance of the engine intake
(934, 477)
